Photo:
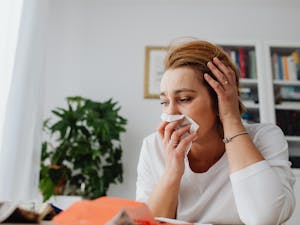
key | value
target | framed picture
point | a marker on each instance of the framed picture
(154, 69)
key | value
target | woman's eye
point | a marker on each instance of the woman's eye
(162, 102)
(184, 100)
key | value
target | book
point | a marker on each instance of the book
(233, 56)
(292, 70)
(295, 55)
(288, 121)
(252, 64)
(12, 212)
(280, 67)
(285, 68)
(111, 211)
(275, 67)
(242, 62)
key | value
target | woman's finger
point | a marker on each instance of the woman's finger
(214, 84)
(169, 129)
(221, 66)
(219, 75)
(233, 76)
(161, 129)
(185, 142)
(176, 136)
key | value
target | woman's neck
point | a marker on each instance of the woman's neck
(204, 154)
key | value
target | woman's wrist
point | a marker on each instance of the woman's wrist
(171, 180)
(232, 127)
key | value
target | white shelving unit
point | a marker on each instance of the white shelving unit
(286, 83)
(265, 103)
(278, 103)
(251, 83)
(293, 138)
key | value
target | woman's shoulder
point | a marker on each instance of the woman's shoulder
(152, 143)
(263, 129)
(152, 148)
(268, 138)
(152, 138)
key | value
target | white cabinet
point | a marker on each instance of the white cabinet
(283, 71)
(270, 84)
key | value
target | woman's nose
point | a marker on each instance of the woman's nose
(173, 109)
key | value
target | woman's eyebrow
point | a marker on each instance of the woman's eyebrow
(180, 91)
(184, 90)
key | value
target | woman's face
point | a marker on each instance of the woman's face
(182, 92)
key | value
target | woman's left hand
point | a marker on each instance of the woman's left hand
(226, 88)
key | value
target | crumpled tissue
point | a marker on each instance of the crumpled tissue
(187, 120)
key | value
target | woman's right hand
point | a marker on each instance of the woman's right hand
(174, 147)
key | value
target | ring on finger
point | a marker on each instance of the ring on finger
(225, 82)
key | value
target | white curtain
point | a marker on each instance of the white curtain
(22, 100)
(10, 16)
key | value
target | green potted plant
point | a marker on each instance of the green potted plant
(82, 152)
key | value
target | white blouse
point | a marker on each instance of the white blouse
(261, 193)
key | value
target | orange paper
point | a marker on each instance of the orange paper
(102, 210)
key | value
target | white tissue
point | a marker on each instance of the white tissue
(187, 120)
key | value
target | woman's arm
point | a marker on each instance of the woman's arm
(163, 199)
(262, 183)
(241, 151)
(266, 188)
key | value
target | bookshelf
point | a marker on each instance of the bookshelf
(246, 55)
(283, 100)
(283, 71)
(270, 97)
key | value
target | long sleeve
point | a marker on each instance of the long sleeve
(150, 167)
(263, 192)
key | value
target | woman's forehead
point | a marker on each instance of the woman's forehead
(180, 78)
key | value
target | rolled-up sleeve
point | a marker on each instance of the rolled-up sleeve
(263, 191)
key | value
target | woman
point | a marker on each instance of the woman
(234, 173)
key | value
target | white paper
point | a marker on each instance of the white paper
(173, 221)
(6, 209)
(187, 120)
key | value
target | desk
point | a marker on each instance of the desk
(42, 223)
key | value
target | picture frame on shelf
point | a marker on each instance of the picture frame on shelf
(154, 69)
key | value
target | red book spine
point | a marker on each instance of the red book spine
(242, 60)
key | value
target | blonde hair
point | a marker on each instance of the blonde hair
(196, 54)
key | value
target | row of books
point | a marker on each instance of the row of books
(245, 60)
(289, 93)
(288, 121)
(250, 116)
(249, 94)
(286, 67)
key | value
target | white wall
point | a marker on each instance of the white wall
(96, 49)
